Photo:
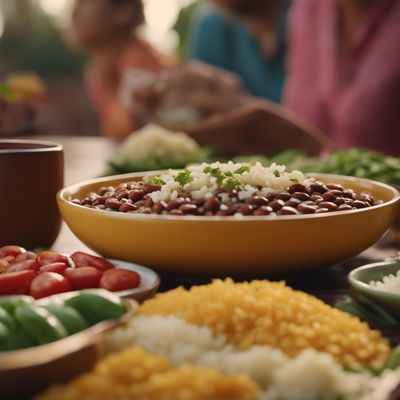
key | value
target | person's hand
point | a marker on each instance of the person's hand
(187, 94)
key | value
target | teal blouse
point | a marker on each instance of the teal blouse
(226, 43)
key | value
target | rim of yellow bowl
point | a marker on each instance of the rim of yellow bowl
(63, 193)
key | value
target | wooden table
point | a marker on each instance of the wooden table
(85, 157)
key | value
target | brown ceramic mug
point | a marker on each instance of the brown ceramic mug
(31, 173)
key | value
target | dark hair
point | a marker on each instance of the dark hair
(243, 7)
(139, 13)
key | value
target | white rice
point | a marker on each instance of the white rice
(389, 283)
(311, 375)
(274, 178)
(153, 141)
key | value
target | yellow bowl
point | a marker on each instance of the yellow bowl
(223, 246)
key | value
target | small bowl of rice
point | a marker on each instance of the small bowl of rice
(379, 282)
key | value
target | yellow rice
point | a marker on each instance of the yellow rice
(272, 314)
(134, 374)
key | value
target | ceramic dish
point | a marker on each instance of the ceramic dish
(40, 366)
(149, 281)
(360, 277)
(230, 245)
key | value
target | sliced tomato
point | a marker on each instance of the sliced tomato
(119, 279)
(11, 251)
(59, 268)
(51, 257)
(29, 255)
(16, 282)
(24, 265)
(84, 277)
(82, 259)
(49, 283)
(4, 266)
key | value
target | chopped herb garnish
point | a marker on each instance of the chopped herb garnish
(231, 184)
(277, 173)
(242, 170)
(214, 172)
(183, 178)
(155, 180)
(228, 174)
(294, 180)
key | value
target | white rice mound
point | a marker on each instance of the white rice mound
(153, 141)
(389, 283)
(311, 375)
(274, 178)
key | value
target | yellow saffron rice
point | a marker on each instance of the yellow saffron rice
(270, 313)
(134, 374)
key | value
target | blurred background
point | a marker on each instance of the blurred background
(31, 39)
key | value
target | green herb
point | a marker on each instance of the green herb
(231, 184)
(155, 180)
(214, 172)
(277, 173)
(294, 180)
(183, 178)
(242, 170)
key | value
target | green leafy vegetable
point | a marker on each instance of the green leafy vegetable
(242, 170)
(294, 180)
(155, 180)
(277, 173)
(183, 178)
(231, 184)
(214, 172)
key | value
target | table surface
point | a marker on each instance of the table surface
(85, 158)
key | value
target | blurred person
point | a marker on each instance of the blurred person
(246, 37)
(344, 70)
(106, 29)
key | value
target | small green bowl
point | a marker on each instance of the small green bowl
(359, 280)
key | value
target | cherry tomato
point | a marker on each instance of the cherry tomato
(16, 282)
(59, 268)
(29, 255)
(119, 279)
(24, 265)
(11, 251)
(9, 259)
(4, 266)
(51, 257)
(84, 277)
(47, 284)
(82, 259)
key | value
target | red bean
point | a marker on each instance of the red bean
(297, 187)
(345, 207)
(263, 210)
(159, 207)
(136, 195)
(176, 203)
(176, 212)
(148, 202)
(301, 196)
(315, 197)
(126, 207)
(226, 212)
(339, 201)
(321, 210)
(359, 204)
(327, 204)
(277, 204)
(334, 186)
(123, 194)
(306, 208)
(212, 203)
(348, 193)
(113, 203)
(188, 208)
(283, 196)
(257, 201)
(245, 209)
(329, 196)
(293, 203)
(150, 188)
(288, 211)
(318, 187)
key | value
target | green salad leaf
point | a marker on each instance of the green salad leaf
(183, 178)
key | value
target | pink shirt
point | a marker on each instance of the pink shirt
(352, 95)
